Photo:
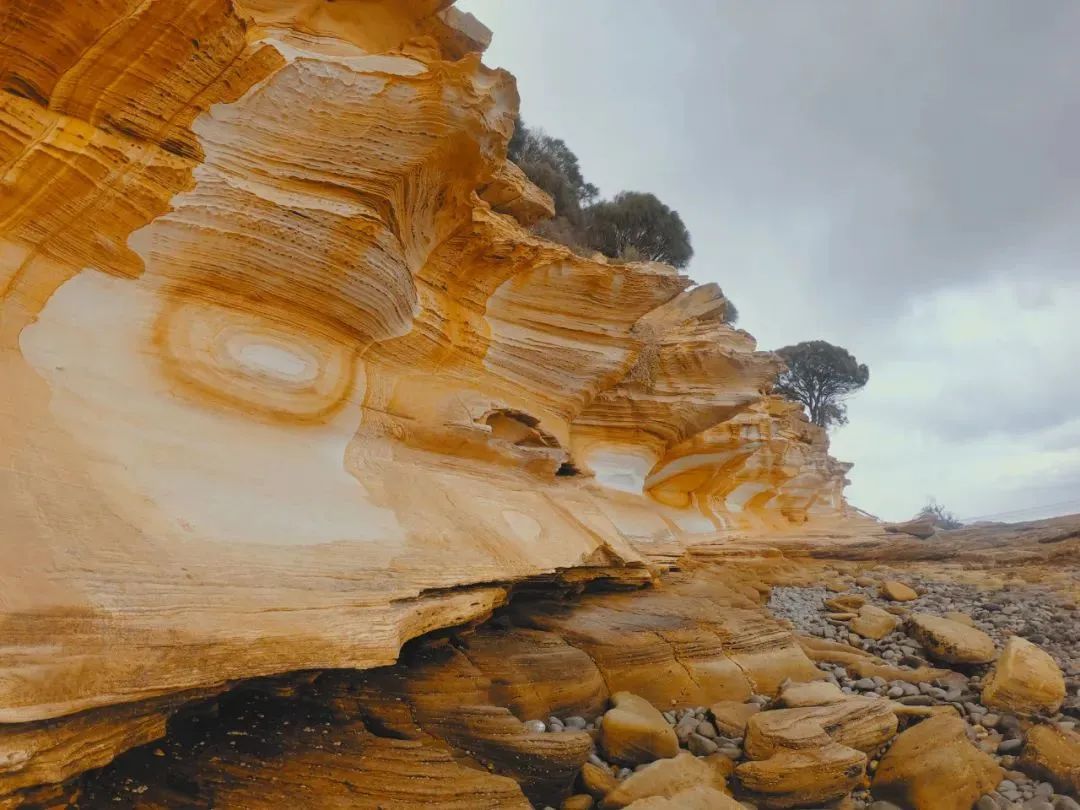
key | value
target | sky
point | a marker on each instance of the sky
(902, 179)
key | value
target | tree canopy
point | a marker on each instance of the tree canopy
(820, 376)
(633, 226)
(636, 225)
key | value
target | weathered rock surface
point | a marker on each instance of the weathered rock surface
(921, 528)
(1053, 754)
(634, 732)
(874, 622)
(951, 642)
(289, 387)
(1024, 679)
(933, 766)
(667, 778)
(731, 716)
(898, 591)
(286, 382)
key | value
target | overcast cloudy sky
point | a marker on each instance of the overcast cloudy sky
(899, 178)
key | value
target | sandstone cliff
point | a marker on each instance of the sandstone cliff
(286, 381)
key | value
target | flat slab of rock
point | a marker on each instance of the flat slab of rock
(846, 602)
(814, 693)
(635, 732)
(730, 716)
(1052, 754)
(897, 591)
(1024, 679)
(805, 777)
(933, 766)
(696, 798)
(873, 622)
(666, 778)
(916, 528)
(950, 641)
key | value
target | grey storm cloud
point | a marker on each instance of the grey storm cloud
(901, 178)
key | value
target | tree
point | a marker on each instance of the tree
(551, 165)
(636, 225)
(631, 227)
(939, 516)
(821, 376)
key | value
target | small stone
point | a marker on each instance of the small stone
(1010, 746)
(576, 723)
(535, 726)
(706, 729)
(701, 746)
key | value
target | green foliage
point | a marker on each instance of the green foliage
(632, 227)
(820, 376)
(550, 164)
(939, 515)
(638, 222)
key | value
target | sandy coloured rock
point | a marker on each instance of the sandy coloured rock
(635, 732)
(897, 591)
(933, 766)
(846, 602)
(730, 716)
(951, 642)
(814, 693)
(874, 622)
(701, 797)
(921, 528)
(666, 778)
(1052, 754)
(1024, 679)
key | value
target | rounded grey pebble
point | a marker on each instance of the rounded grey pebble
(535, 726)
(1009, 746)
(1065, 803)
(576, 722)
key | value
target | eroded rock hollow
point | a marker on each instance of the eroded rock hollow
(286, 381)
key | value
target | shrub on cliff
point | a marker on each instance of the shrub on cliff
(637, 225)
(821, 376)
(939, 516)
(634, 226)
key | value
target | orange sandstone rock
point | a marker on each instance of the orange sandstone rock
(1024, 679)
(634, 731)
(933, 766)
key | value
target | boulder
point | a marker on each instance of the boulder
(1053, 755)
(812, 754)
(956, 616)
(1025, 679)
(814, 693)
(897, 591)
(667, 778)
(634, 731)
(730, 716)
(873, 622)
(701, 797)
(846, 602)
(921, 528)
(804, 777)
(856, 722)
(933, 766)
(950, 641)
(597, 781)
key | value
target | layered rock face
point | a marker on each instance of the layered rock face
(286, 380)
